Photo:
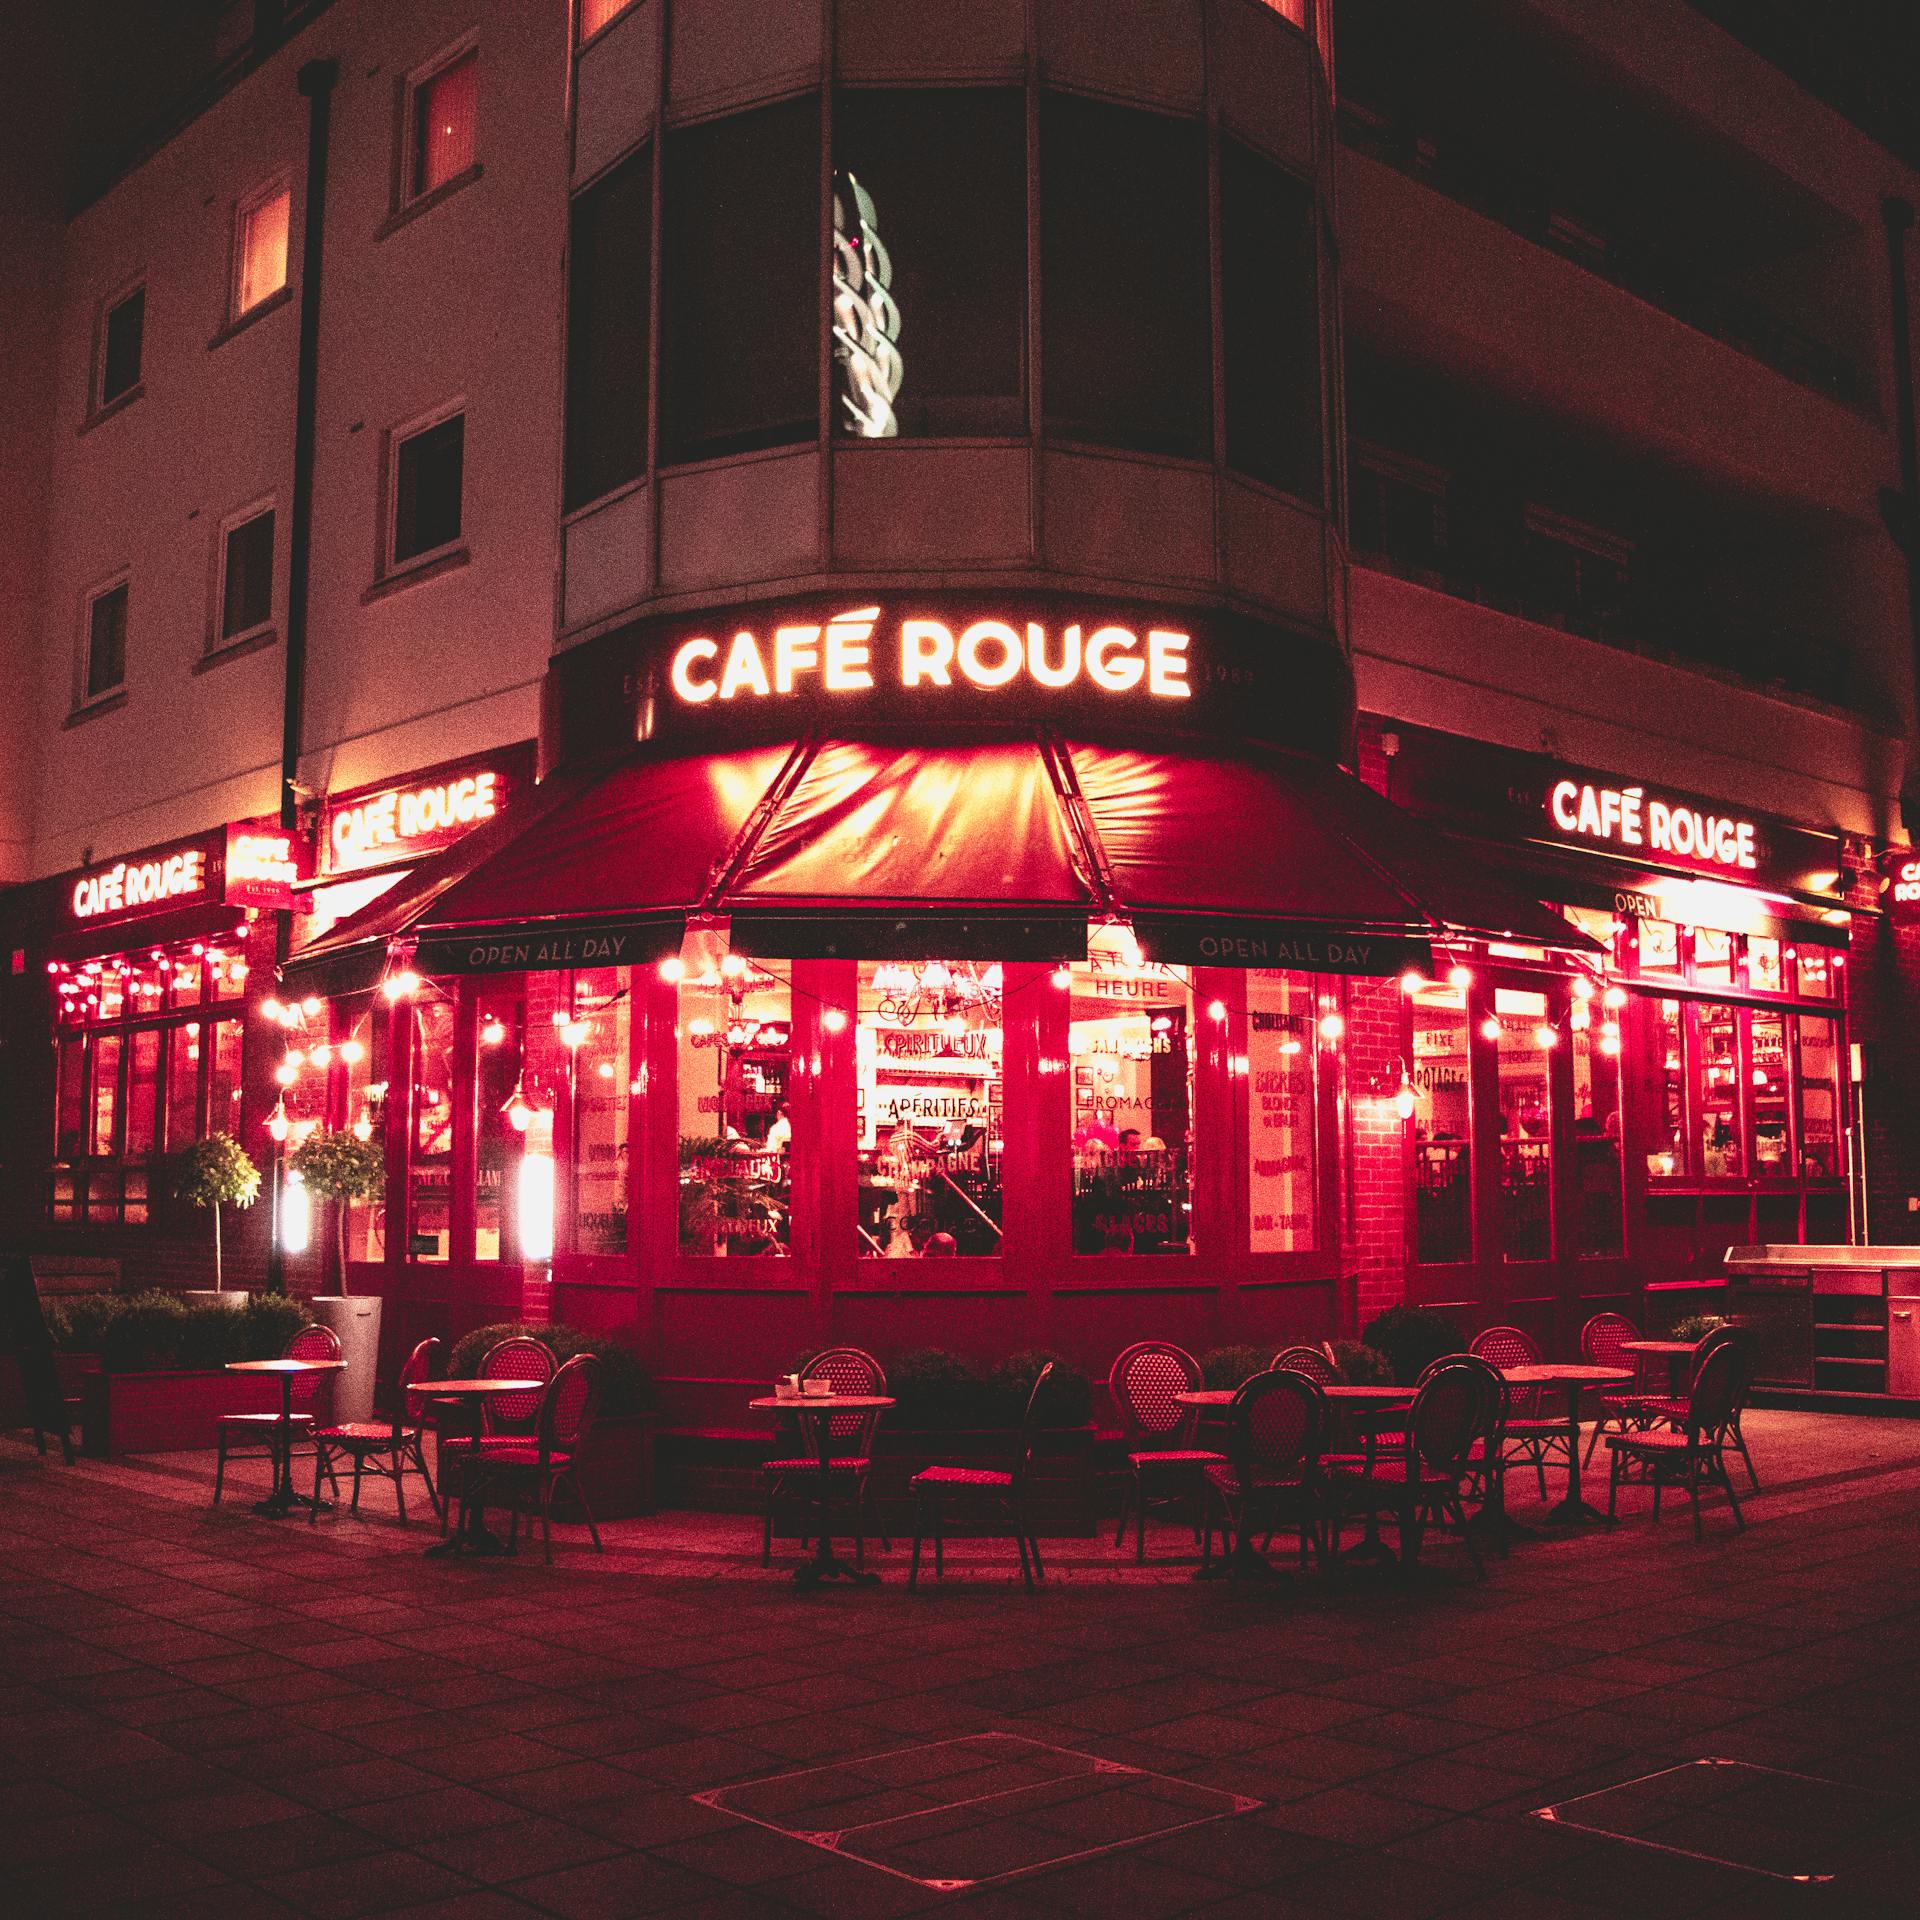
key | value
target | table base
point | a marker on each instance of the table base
(284, 1500)
(829, 1566)
(1575, 1512)
(479, 1541)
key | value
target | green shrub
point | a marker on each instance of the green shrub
(79, 1323)
(1361, 1365)
(145, 1333)
(156, 1330)
(933, 1388)
(626, 1387)
(1412, 1338)
(1696, 1326)
(1066, 1401)
(1222, 1367)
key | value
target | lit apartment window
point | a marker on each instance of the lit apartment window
(444, 106)
(121, 331)
(260, 248)
(246, 577)
(106, 662)
(426, 488)
(594, 14)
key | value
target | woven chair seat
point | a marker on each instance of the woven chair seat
(1536, 1429)
(984, 1478)
(1664, 1406)
(360, 1433)
(525, 1453)
(1390, 1473)
(1176, 1457)
(1655, 1442)
(1232, 1485)
(844, 1463)
(263, 1419)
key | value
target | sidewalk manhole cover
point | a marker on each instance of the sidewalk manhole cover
(987, 1806)
(1788, 1826)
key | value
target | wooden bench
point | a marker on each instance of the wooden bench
(58, 1275)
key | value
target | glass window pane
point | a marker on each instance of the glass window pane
(111, 986)
(101, 1132)
(1598, 1232)
(430, 1159)
(223, 1083)
(427, 488)
(601, 1107)
(1668, 1158)
(143, 1092)
(120, 353)
(1282, 1112)
(1130, 1047)
(226, 973)
(103, 1192)
(928, 1052)
(1442, 1127)
(1659, 946)
(1129, 350)
(445, 109)
(1763, 963)
(1712, 957)
(734, 1036)
(71, 1107)
(364, 1053)
(609, 330)
(1270, 322)
(1816, 973)
(1768, 1096)
(183, 1085)
(943, 175)
(263, 250)
(594, 14)
(246, 600)
(146, 985)
(107, 642)
(1527, 1037)
(740, 283)
(1820, 1109)
(1716, 1038)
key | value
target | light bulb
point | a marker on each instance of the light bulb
(673, 969)
(732, 966)
(1614, 997)
(277, 1122)
(1332, 1026)
(1063, 978)
(1412, 982)
(606, 1069)
(1460, 977)
(834, 1019)
(493, 1033)
(1546, 1038)
(286, 1073)
(363, 1127)
(1582, 987)
(352, 1052)
(1579, 1019)
(321, 1056)
(401, 985)
(1216, 1010)
(1489, 1028)
(576, 1033)
(271, 1009)
(1403, 1101)
(311, 1005)
(1610, 1043)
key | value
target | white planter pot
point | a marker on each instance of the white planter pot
(355, 1318)
(209, 1297)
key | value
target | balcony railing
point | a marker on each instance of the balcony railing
(1501, 191)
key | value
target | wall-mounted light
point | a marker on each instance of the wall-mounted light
(278, 1125)
(402, 985)
(517, 1107)
(493, 1032)
(1333, 1026)
(296, 1215)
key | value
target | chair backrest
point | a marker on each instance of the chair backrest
(410, 1406)
(1276, 1425)
(1510, 1347)
(567, 1407)
(1309, 1361)
(1603, 1341)
(849, 1370)
(1450, 1412)
(313, 1343)
(1030, 1428)
(1715, 1393)
(1143, 1382)
(519, 1357)
(1499, 1398)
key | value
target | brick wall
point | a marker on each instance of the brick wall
(1374, 1227)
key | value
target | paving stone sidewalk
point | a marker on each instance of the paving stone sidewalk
(203, 1711)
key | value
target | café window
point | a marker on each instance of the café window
(430, 1149)
(1524, 1035)
(1128, 350)
(142, 1070)
(361, 1050)
(1818, 1043)
(928, 1051)
(1596, 1229)
(733, 1031)
(609, 330)
(597, 1036)
(595, 14)
(1130, 1051)
(739, 283)
(1282, 1095)
(1442, 1126)
(929, 267)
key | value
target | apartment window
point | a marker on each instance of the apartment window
(426, 488)
(246, 587)
(445, 105)
(609, 330)
(595, 14)
(106, 662)
(260, 248)
(121, 334)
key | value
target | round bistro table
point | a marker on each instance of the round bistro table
(1572, 1511)
(470, 1396)
(283, 1499)
(813, 1410)
(1673, 1352)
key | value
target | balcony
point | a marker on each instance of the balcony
(1522, 202)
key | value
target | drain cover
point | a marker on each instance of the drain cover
(987, 1806)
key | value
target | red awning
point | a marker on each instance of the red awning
(1003, 849)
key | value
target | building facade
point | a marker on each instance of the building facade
(1027, 636)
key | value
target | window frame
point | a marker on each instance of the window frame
(85, 696)
(244, 210)
(389, 563)
(585, 36)
(409, 152)
(99, 401)
(219, 640)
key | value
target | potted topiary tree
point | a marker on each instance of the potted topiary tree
(339, 1166)
(217, 1172)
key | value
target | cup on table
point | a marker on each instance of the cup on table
(815, 1389)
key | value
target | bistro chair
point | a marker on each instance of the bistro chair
(513, 1472)
(850, 1444)
(1486, 1461)
(1603, 1343)
(1275, 1428)
(1421, 1482)
(390, 1449)
(1314, 1362)
(1531, 1435)
(505, 1418)
(258, 1435)
(935, 1487)
(1165, 1463)
(1673, 1408)
(1695, 1449)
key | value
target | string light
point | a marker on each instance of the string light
(352, 1052)
(1062, 978)
(1490, 1028)
(1216, 1010)
(1461, 977)
(834, 1019)
(1332, 1026)
(673, 969)
(278, 1125)
(402, 985)
(1614, 998)
(493, 1033)
(1546, 1038)
(1412, 981)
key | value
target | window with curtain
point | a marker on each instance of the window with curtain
(445, 107)
(739, 288)
(1127, 348)
(260, 252)
(1442, 1125)
(609, 330)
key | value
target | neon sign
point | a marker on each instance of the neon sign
(1629, 817)
(131, 884)
(866, 319)
(928, 655)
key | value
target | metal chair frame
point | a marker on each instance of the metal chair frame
(1625, 1412)
(495, 1425)
(934, 1486)
(1531, 1437)
(851, 1370)
(1696, 1450)
(390, 1450)
(561, 1431)
(309, 1343)
(1252, 1485)
(1156, 1416)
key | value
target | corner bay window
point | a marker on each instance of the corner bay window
(734, 1043)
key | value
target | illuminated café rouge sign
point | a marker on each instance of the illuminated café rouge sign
(376, 826)
(250, 863)
(1645, 821)
(1901, 868)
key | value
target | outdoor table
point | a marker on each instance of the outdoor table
(469, 1396)
(283, 1499)
(1573, 1510)
(812, 1410)
(1673, 1351)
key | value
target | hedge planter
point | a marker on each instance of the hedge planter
(168, 1412)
